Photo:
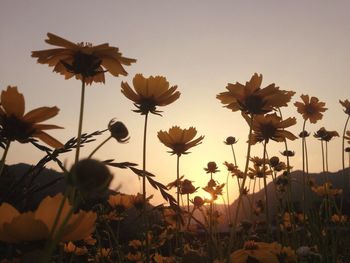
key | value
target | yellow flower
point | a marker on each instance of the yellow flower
(326, 190)
(270, 126)
(346, 105)
(324, 135)
(150, 93)
(82, 60)
(179, 140)
(259, 171)
(18, 227)
(310, 108)
(254, 250)
(252, 99)
(338, 218)
(15, 125)
(121, 202)
(71, 248)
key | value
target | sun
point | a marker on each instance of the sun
(207, 196)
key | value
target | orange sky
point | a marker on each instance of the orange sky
(199, 46)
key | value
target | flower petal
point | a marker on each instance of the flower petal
(12, 102)
(41, 114)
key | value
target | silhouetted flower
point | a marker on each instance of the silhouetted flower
(15, 125)
(274, 161)
(179, 140)
(187, 187)
(234, 170)
(347, 136)
(257, 160)
(121, 202)
(270, 126)
(304, 134)
(288, 153)
(252, 99)
(211, 168)
(259, 171)
(310, 108)
(324, 135)
(118, 131)
(82, 59)
(254, 252)
(18, 227)
(346, 105)
(230, 140)
(198, 201)
(150, 93)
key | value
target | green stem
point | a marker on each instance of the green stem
(80, 127)
(99, 146)
(3, 159)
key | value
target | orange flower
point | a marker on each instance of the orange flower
(346, 105)
(255, 251)
(18, 227)
(15, 125)
(150, 93)
(82, 60)
(252, 99)
(324, 135)
(71, 248)
(121, 202)
(270, 126)
(179, 140)
(326, 190)
(310, 108)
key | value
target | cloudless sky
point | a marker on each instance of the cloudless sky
(200, 46)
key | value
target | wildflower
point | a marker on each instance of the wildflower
(234, 170)
(82, 60)
(253, 251)
(150, 93)
(274, 161)
(257, 160)
(259, 171)
(310, 108)
(326, 190)
(214, 189)
(271, 127)
(187, 187)
(18, 227)
(118, 131)
(121, 202)
(15, 125)
(252, 99)
(91, 177)
(304, 134)
(347, 136)
(103, 254)
(211, 168)
(179, 140)
(90, 240)
(198, 201)
(288, 153)
(230, 140)
(140, 202)
(175, 183)
(71, 248)
(324, 135)
(346, 105)
(338, 218)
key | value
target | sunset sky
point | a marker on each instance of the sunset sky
(200, 46)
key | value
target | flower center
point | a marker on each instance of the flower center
(16, 129)
(253, 104)
(85, 64)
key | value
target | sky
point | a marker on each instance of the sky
(200, 46)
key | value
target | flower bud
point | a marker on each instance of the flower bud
(118, 131)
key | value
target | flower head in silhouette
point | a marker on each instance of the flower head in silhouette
(149, 93)
(346, 105)
(311, 108)
(82, 60)
(17, 126)
(347, 136)
(211, 168)
(230, 140)
(324, 135)
(18, 227)
(252, 99)
(270, 126)
(254, 252)
(179, 140)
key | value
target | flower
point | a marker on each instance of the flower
(347, 137)
(179, 140)
(259, 171)
(118, 131)
(121, 202)
(15, 125)
(230, 140)
(270, 126)
(71, 248)
(288, 153)
(310, 108)
(150, 93)
(18, 227)
(82, 60)
(304, 134)
(211, 168)
(252, 99)
(234, 170)
(198, 201)
(187, 187)
(254, 251)
(324, 135)
(346, 105)
(326, 190)
(175, 183)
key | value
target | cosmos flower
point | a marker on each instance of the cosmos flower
(187, 187)
(211, 168)
(179, 140)
(253, 251)
(346, 105)
(259, 171)
(326, 190)
(121, 202)
(270, 126)
(118, 131)
(15, 125)
(18, 227)
(150, 93)
(252, 99)
(310, 108)
(82, 60)
(324, 135)
(230, 140)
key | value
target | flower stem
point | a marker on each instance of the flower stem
(144, 157)
(265, 186)
(3, 159)
(99, 146)
(345, 181)
(177, 200)
(80, 127)
(304, 177)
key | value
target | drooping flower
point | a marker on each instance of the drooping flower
(18, 227)
(179, 140)
(346, 105)
(82, 60)
(324, 135)
(310, 108)
(252, 99)
(271, 126)
(150, 93)
(118, 131)
(15, 125)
